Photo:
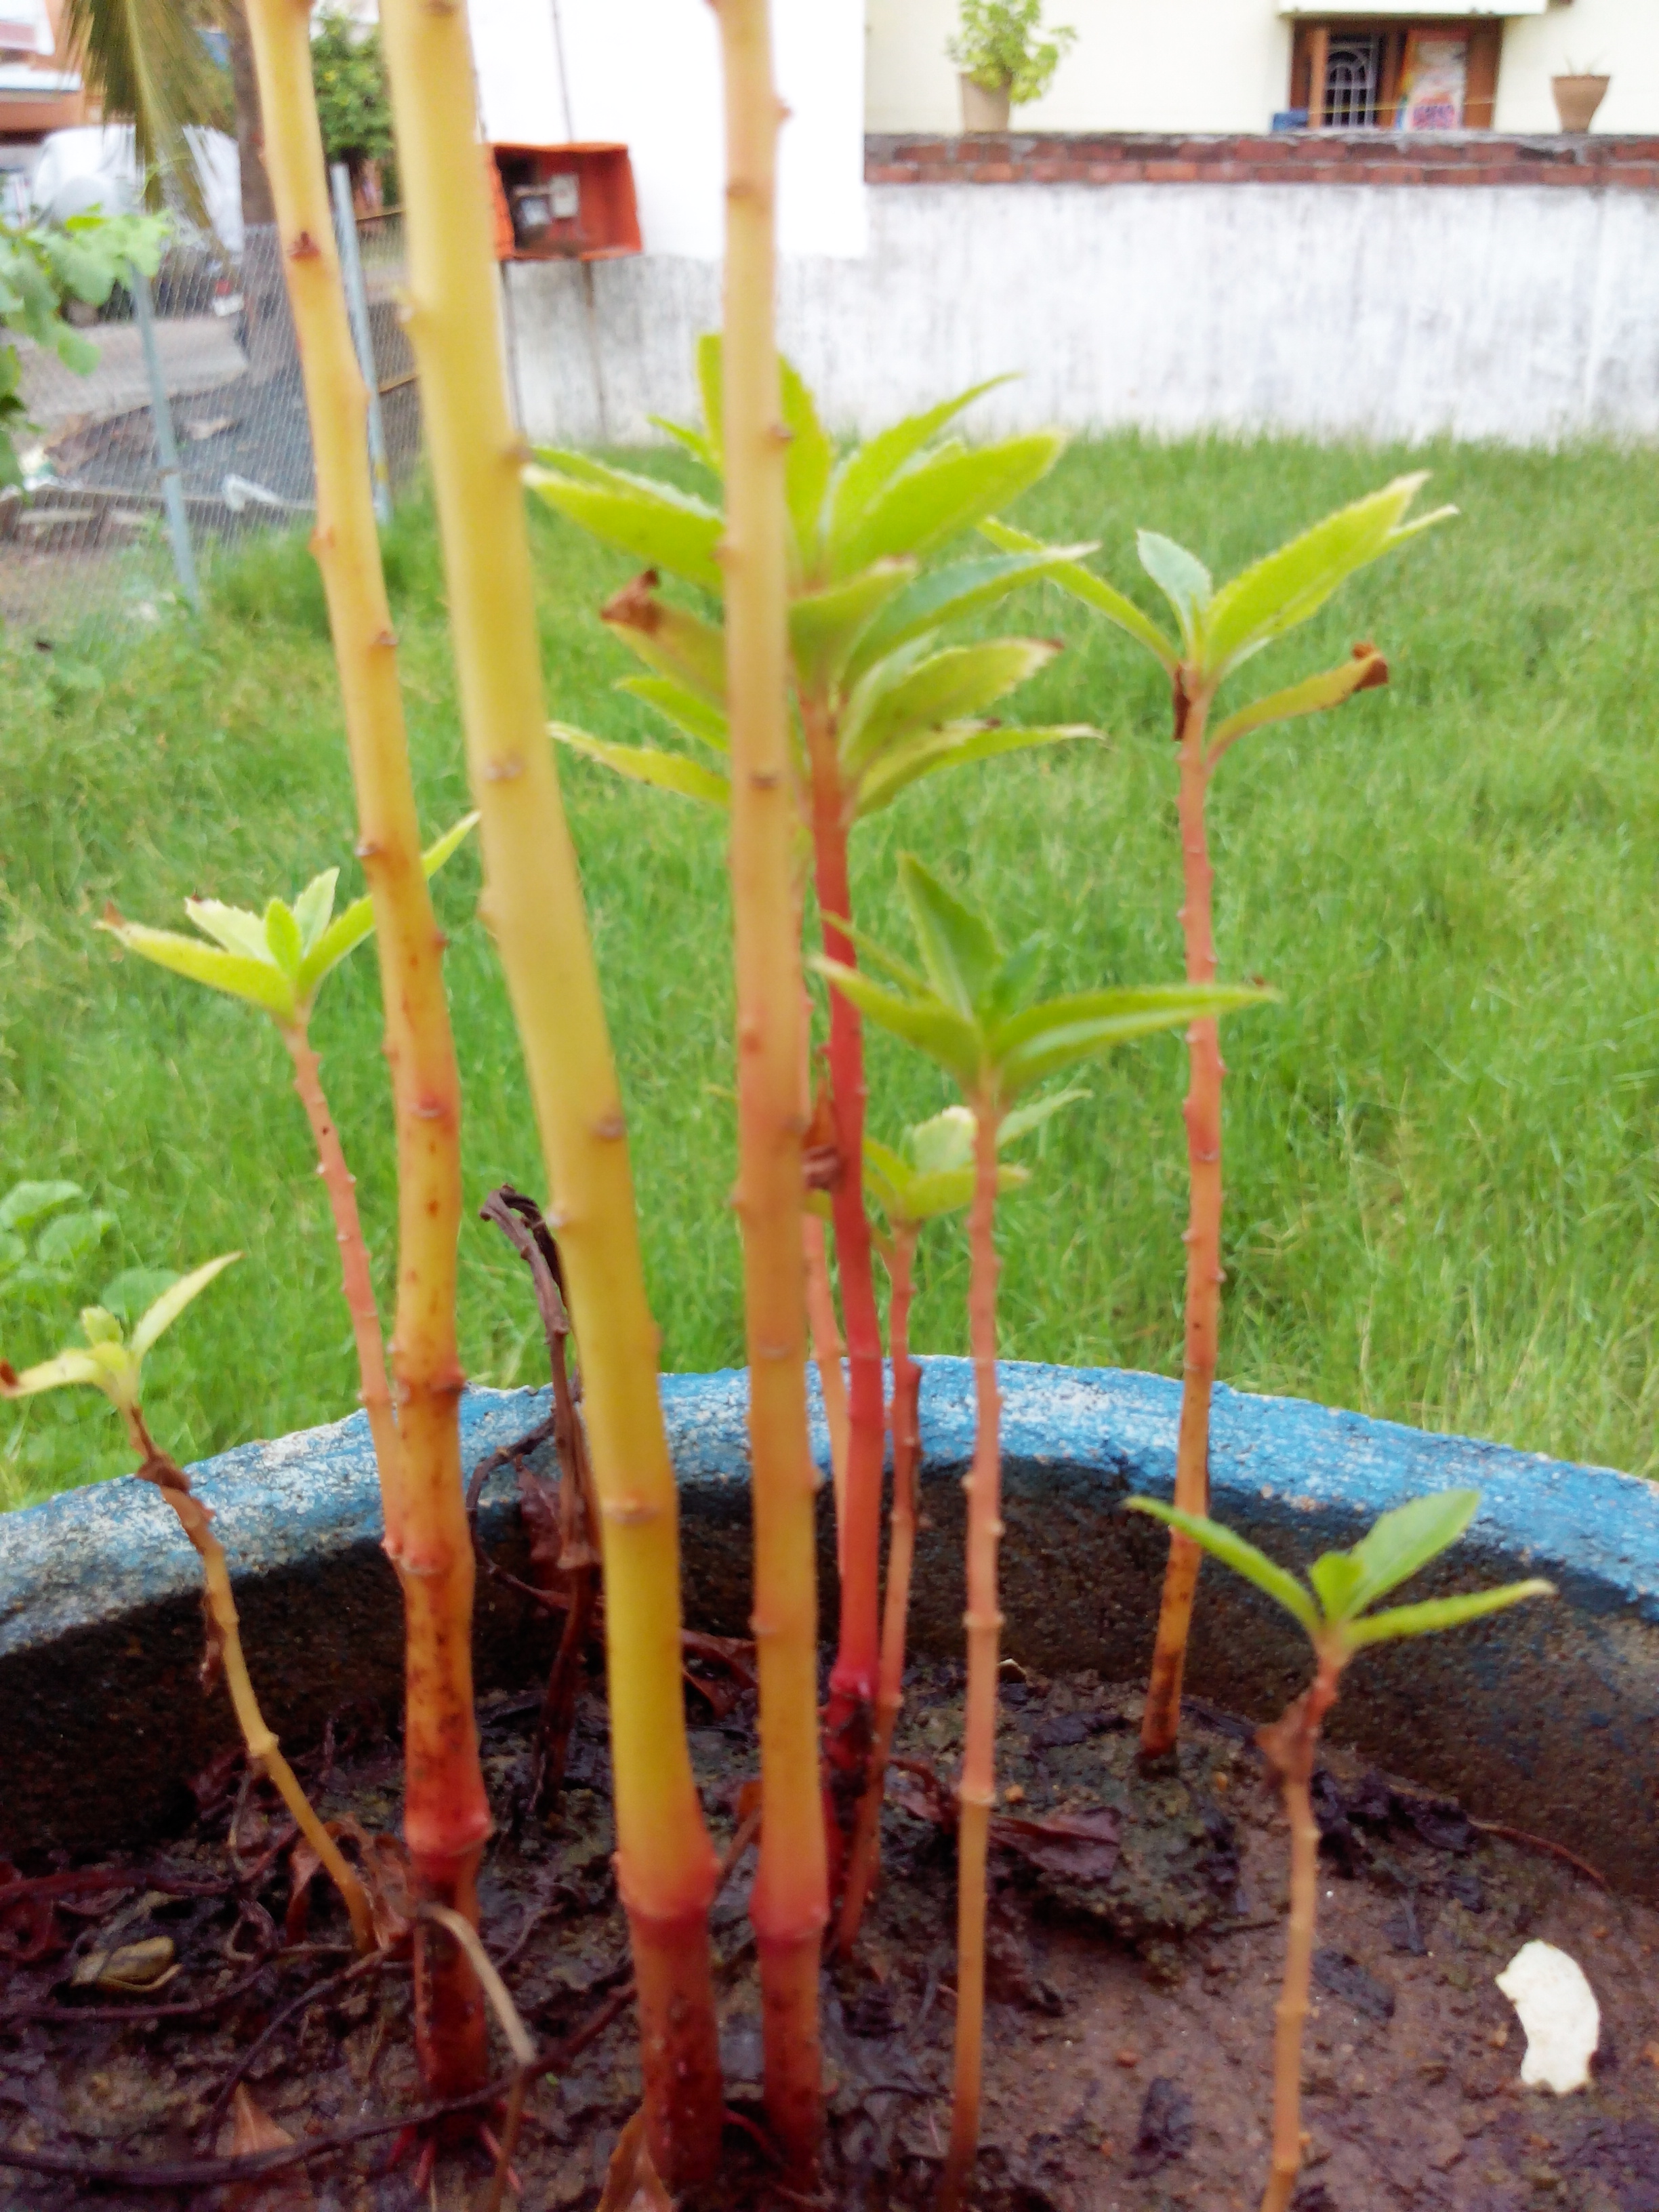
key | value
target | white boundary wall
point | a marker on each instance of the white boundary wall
(1525, 314)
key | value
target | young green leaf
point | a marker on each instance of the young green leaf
(173, 1301)
(282, 938)
(868, 471)
(1395, 1547)
(1184, 580)
(683, 708)
(314, 906)
(654, 522)
(958, 949)
(807, 467)
(68, 1239)
(896, 699)
(1438, 1613)
(940, 497)
(955, 746)
(1045, 1039)
(711, 387)
(967, 588)
(671, 640)
(1083, 584)
(1363, 670)
(26, 1203)
(928, 1024)
(827, 626)
(688, 779)
(1237, 1553)
(348, 930)
(693, 440)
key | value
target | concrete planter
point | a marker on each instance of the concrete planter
(984, 107)
(1543, 1718)
(1576, 99)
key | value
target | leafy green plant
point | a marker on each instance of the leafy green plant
(42, 267)
(277, 961)
(1216, 632)
(112, 1360)
(970, 1008)
(47, 1237)
(998, 46)
(349, 72)
(880, 701)
(1333, 1610)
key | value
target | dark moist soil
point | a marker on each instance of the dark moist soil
(1134, 1963)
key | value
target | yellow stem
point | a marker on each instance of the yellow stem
(532, 903)
(446, 1813)
(790, 1903)
(984, 1625)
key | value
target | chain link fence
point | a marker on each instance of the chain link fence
(191, 434)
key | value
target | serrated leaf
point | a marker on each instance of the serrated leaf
(654, 522)
(1094, 592)
(1045, 1039)
(348, 931)
(1237, 1553)
(26, 1203)
(672, 772)
(68, 1367)
(173, 1302)
(283, 936)
(930, 1026)
(669, 639)
(958, 951)
(1184, 580)
(943, 1143)
(135, 1288)
(952, 594)
(826, 626)
(878, 956)
(1021, 1120)
(936, 500)
(946, 686)
(232, 926)
(1361, 671)
(711, 386)
(255, 981)
(807, 466)
(682, 708)
(956, 745)
(1438, 1613)
(869, 468)
(68, 1237)
(1286, 586)
(1395, 1547)
(693, 440)
(314, 906)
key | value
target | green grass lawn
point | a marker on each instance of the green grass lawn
(1441, 1147)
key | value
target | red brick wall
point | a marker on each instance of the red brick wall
(1288, 157)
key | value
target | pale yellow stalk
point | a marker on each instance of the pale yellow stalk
(445, 1813)
(532, 903)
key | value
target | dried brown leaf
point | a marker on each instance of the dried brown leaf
(253, 2129)
(541, 1506)
(633, 2184)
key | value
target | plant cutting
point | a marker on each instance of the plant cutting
(930, 1175)
(880, 701)
(1004, 59)
(970, 1009)
(113, 1362)
(1217, 633)
(532, 904)
(1333, 1609)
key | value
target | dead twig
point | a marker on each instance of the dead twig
(1528, 1842)
(519, 2038)
(197, 2008)
(274, 2027)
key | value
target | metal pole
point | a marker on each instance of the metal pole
(166, 449)
(351, 268)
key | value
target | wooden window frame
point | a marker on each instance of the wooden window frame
(1311, 48)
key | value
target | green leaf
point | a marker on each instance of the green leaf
(1184, 580)
(712, 386)
(52, 1375)
(682, 708)
(26, 1203)
(257, 981)
(671, 640)
(693, 440)
(825, 626)
(954, 746)
(314, 906)
(1363, 670)
(952, 594)
(232, 926)
(1238, 1553)
(13, 1252)
(1436, 1612)
(283, 936)
(879, 957)
(1046, 1038)
(100, 1326)
(654, 522)
(930, 1027)
(938, 498)
(896, 698)
(807, 466)
(1287, 586)
(1023, 1120)
(348, 930)
(643, 764)
(1083, 584)
(135, 1288)
(1335, 1576)
(173, 1302)
(869, 469)
(68, 1239)
(1395, 1547)
(958, 949)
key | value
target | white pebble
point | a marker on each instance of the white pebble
(1559, 2011)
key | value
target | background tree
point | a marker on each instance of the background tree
(350, 76)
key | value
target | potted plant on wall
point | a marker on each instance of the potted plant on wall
(1004, 59)
(1578, 94)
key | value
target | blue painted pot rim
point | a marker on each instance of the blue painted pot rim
(1543, 1718)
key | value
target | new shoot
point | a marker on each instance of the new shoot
(1335, 1615)
(970, 1008)
(1216, 633)
(113, 1363)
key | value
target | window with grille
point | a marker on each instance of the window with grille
(1396, 76)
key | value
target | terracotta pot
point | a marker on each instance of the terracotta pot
(982, 110)
(1578, 98)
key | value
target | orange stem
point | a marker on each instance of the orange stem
(1160, 1727)
(901, 1559)
(984, 1623)
(788, 1906)
(827, 1357)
